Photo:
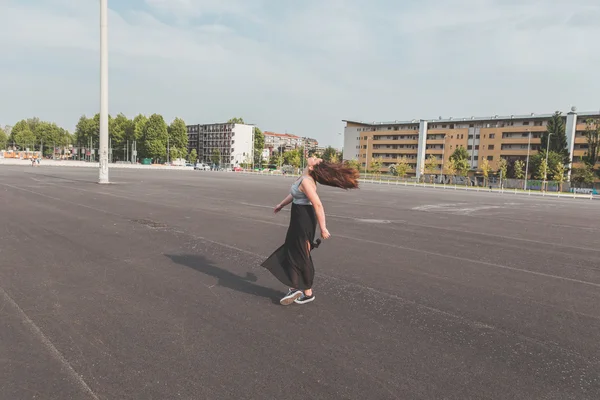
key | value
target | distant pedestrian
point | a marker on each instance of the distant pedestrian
(292, 262)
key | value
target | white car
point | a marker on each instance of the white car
(202, 167)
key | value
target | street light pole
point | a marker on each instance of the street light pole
(546, 169)
(103, 146)
(367, 158)
(443, 154)
(527, 163)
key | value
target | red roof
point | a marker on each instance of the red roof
(284, 135)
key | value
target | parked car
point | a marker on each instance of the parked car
(238, 169)
(202, 167)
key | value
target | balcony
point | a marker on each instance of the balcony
(391, 151)
(517, 152)
(435, 141)
(392, 141)
(520, 140)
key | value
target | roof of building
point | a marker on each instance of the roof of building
(285, 135)
(465, 119)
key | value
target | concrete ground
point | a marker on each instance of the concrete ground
(150, 288)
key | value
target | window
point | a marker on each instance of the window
(476, 147)
(477, 136)
(470, 137)
(491, 147)
(490, 158)
(526, 123)
(469, 147)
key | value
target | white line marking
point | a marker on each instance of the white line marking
(432, 253)
(49, 346)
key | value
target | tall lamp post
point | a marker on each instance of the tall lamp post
(527, 163)
(443, 155)
(547, 152)
(103, 147)
(367, 158)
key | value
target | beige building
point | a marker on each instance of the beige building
(488, 138)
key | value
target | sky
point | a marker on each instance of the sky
(299, 66)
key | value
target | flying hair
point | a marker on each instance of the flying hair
(336, 175)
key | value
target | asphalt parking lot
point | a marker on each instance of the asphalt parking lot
(150, 288)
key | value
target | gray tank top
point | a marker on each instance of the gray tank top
(298, 196)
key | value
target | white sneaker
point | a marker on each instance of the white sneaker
(304, 299)
(290, 297)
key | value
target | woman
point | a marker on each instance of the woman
(292, 263)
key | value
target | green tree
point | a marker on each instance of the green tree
(178, 137)
(402, 167)
(431, 166)
(460, 154)
(592, 135)
(121, 129)
(583, 175)
(353, 164)
(503, 168)
(3, 139)
(519, 169)
(216, 157)
(536, 160)
(292, 158)
(462, 168)
(558, 139)
(542, 170)
(33, 123)
(376, 165)
(47, 135)
(86, 129)
(450, 167)
(154, 140)
(330, 154)
(139, 127)
(193, 156)
(485, 171)
(22, 136)
(259, 145)
(276, 159)
(174, 154)
(558, 174)
(236, 120)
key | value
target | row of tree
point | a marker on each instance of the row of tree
(296, 158)
(152, 135)
(34, 134)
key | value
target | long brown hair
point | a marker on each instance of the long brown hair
(336, 175)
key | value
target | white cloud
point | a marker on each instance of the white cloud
(300, 66)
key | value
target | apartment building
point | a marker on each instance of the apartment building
(234, 142)
(488, 138)
(283, 141)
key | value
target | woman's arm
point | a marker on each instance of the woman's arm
(310, 190)
(284, 203)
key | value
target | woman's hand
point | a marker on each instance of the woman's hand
(278, 208)
(325, 234)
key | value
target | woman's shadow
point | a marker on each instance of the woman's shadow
(227, 279)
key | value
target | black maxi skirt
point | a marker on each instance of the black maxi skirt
(292, 263)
